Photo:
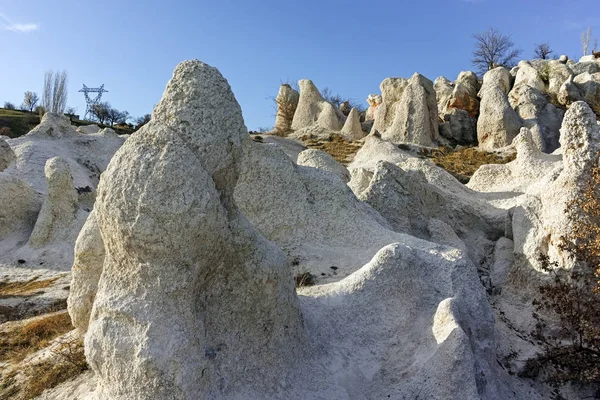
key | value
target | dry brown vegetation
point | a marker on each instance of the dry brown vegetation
(572, 351)
(463, 163)
(305, 279)
(26, 288)
(20, 339)
(27, 379)
(342, 150)
(67, 363)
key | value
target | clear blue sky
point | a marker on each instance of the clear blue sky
(133, 46)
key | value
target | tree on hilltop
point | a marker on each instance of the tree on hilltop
(494, 49)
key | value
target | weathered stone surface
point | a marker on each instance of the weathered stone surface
(352, 129)
(590, 66)
(443, 90)
(312, 109)
(589, 87)
(59, 211)
(529, 75)
(498, 123)
(374, 100)
(497, 77)
(54, 126)
(558, 73)
(459, 127)
(87, 129)
(416, 115)
(86, 271)
(287, 102)
(319, 159)
(538, 114)
(7, 155)
(188, 287)
(19, 207)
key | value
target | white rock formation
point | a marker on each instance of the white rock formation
(86, 129)
(60, 208)
(19, 208)
(589, 87)
(538, 114)
(287, 102)
(86, 271)
(7, 155)
(498, 123)
(189, 289)
(374, 100)
(415, 114)
(543, 185)
(194, 303)
(319, 159)
(312, 109)
(497, 77)
(352, 129)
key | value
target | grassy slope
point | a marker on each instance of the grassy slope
(21, 122)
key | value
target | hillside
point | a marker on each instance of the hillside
(20, 122)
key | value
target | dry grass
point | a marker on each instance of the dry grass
(463, 163)
(342, 150)
(305, 279)
(27, 288)
(69, 362)
(27, 337)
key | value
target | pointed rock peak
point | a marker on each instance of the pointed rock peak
(352, 130)
(579, 135)
(309, 90)
(199, 106)
(55, 126)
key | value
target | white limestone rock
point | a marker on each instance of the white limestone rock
(189, 289)
(391, 93)
(320, 159)
(287, 102)
(352, 129)
(416, 115)
(7, 155)
(86, 271)
(497, 77)
(558, 73)
(498, 123)
(374, 100)
(19, 208)
(589, 87)
(310, 213)
(312, 109)
(563, 59)
(443, 89)
(459, 127)
(54, 126)
(60, 208)
(528, 75)
(87, 129)
(538, 114)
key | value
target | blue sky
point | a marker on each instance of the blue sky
(350, 47)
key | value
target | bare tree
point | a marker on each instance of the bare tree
(117, 117)
(543, 51)
(141, 121)
(493, 49)
(9, 106)
(55, 91)
(30, 100)
(586, 37)
(101, 111)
